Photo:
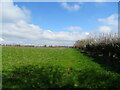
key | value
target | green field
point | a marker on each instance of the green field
(32, 67)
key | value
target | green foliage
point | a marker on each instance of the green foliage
(30, 67)
(107, 47)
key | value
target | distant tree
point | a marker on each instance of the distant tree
(45, 46)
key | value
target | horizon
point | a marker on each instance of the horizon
(56, 23)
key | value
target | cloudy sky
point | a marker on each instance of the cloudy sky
(56, 23)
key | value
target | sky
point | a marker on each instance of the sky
(56, 23)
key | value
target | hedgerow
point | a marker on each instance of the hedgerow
(105, 46)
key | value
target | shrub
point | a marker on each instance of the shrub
(107, 46)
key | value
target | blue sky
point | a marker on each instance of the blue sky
(56, 23)
(52, 16)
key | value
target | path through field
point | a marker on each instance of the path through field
(30, 67)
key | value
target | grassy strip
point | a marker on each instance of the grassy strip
(29, 67)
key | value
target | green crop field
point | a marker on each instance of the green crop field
(32, 67)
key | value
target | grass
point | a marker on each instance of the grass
(30, 67)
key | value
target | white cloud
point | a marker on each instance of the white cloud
(74, 28)
(61, 1)
(12, 13)
(29, 31)
(111, 20)
(74, 7)
(1, 40)
(16, 29)
(105, 29)
(100, 0)
(110, 24)
(87, 33)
